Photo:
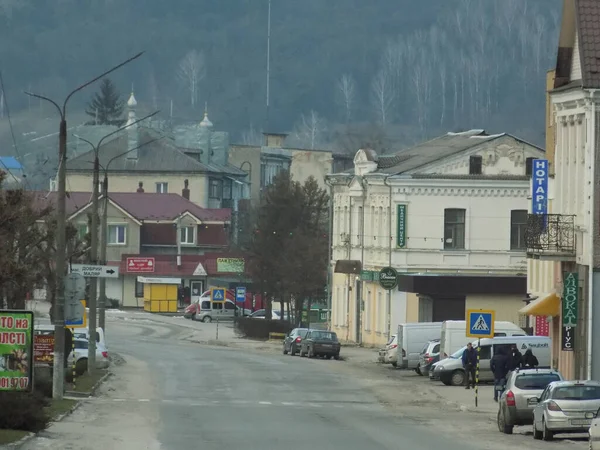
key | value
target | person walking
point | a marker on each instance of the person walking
(469, 362)
(500, 365)
(516, 359)
(529, 360)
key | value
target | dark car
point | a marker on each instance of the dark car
(292, 342)
(320, 343)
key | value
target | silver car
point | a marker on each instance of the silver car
(566, 407)
(523, 387)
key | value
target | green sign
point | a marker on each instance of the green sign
(570, 299)
(388, 278)
(401, 227)
(230, 265)
(16, 350)
(366, 275)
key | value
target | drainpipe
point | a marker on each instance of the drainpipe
(359, 282)
(348, 285)
(330, 253)
(389, 296)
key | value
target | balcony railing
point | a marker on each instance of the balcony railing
(550, 234)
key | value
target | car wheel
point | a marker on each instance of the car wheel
(285, 352)
(337, 357)
(310, 352)
(547, 435)
(418, 370)
(395, 364)
(292, 351)
(207, 319)
(193, 317)
(458, 378)
(81, 366)
(536, 434)
(502, 426)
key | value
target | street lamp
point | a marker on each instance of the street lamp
(94, 249)
(58, 378)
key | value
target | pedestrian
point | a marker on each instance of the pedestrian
(516, 359)
(529, 360)
(469, 361)
(500, 365)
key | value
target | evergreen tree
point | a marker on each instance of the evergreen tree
(106, 106)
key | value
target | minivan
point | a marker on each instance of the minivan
(412, 337)
(208, 311)
(454, 334)
(450, 371)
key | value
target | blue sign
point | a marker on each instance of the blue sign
(217, 295)
(480, 323)
(539, 187)
(240, 294)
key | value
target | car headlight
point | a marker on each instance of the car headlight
(589, 415)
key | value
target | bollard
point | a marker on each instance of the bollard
(477, 373)
(217, 329)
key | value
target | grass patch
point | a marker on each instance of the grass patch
(59, 407)
(85, 383)
(8, 436)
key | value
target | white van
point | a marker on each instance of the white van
(450, 371)
(412, 337)
(78, 333)
(454, 334)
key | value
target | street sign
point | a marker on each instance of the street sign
(93, 271)
(140, 265)
(480, 323)
(217, 295)
(240, 294)
(75, 315)
(388, 278)
(74, 285)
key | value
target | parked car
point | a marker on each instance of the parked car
(78, 333)
(429, 356)
(261, 314)
(79, 356)
(320, 343)
(411, 339)
(293, 341)
(207, 311)
(389, 354)
(523, 387)
(566, 407)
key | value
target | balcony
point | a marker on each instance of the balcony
(550, 237)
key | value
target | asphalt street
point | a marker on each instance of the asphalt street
(173, 394)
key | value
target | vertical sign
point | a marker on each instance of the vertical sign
(16, 350)
(568, 339)
(539, 188)
(542, 328)
(401, 231)
(569, 300)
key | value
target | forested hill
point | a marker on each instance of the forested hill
(417, 68)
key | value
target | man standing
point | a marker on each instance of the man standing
(500, 365)
(469, 362)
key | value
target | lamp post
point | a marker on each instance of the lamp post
(58, 377)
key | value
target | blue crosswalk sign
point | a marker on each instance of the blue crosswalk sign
(240, 294)
(217, 295)
(480, 323)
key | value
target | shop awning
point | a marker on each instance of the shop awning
(545, 305)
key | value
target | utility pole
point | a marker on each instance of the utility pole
(58, 377)
(268, 67)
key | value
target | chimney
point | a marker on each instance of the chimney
(185, 192)
(275, 140)
(140, 188)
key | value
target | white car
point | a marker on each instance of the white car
(261, 313)
(79, 356)
(390, 351)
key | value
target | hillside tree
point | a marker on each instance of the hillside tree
(190, 72)
(106, 106)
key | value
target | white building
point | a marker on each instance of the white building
(449, 215)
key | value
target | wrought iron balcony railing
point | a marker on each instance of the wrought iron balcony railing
(550, 234)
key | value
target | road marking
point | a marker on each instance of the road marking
(215, 402)
(288, 404)
(118, 399)
(315, 405)
(265, 403)
(143, 400)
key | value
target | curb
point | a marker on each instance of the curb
(74, 394)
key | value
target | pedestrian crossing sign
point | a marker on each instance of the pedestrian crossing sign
(480, 323)
(217, 295)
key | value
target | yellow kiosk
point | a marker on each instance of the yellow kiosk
(160, 294)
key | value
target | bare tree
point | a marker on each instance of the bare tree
(310, 131)
(191, 71)
(251, 136)
(153, 89)
(382, 97)
(345, 90)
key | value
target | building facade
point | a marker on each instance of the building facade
(449, 215)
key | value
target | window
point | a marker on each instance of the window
(529, 166)
(186, 235)
(117, 234)
(82, 231)
(217, 306)
(139, 289)
(475, 163)
(214, 189)
(227, 191)
(518, 223)
(205, 305)
(229, 306)
(454, 229)
(535, 381)
(162, 188)
(485, 352)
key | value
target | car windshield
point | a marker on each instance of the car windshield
(81, 344)
(302, 332)
(323, 335)
(535, 381)
(581, 392)
(458, 353)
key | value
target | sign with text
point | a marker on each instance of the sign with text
(43, 349)
(570, 299)
(539, 187)
(542, 327)
(401, 227)
(568, 339)
(388, 278)
(140, 265)
(240, 294)
(230, 265)
(94, 271)
(16, 350)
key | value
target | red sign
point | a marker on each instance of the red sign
(140, 265)
(542, 327)
(43, 348)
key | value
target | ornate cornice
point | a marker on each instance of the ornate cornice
(462, 192)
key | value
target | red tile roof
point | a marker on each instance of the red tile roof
(75, 200)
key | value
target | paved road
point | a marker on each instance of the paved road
(175, 395)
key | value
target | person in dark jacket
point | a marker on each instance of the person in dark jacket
(469, 362)
(516, 359)
(500, 365)
(529, 360)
